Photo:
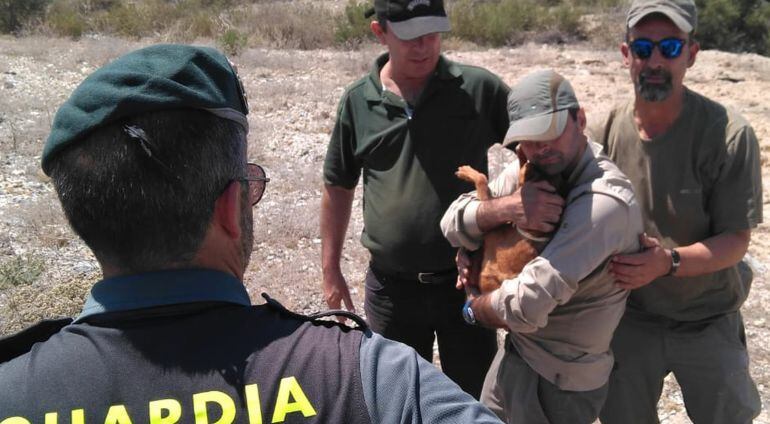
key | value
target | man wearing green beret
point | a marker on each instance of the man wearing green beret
(148, 158)
(695, 168)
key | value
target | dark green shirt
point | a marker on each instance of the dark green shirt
(699, 179)
(408, 156)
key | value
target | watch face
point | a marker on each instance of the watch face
(675, 259)
(468, 315)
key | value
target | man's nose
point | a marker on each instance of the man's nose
(656, 59)
(539, 148)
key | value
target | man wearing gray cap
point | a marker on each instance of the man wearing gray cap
(695, 168)
(561, 310)
(148, 158)
(405, 128)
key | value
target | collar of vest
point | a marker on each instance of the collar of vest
(163, 288)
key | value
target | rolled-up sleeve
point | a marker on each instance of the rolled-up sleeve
(594, 227)
(459, 223)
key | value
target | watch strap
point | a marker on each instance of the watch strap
(676, 260)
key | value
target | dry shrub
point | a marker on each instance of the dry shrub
(43, 221)
(288, 25)
(351, 27)
(20, 271)
(26, 305)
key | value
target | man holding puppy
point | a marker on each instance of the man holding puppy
(562, 309)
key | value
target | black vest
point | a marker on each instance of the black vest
(195, 363)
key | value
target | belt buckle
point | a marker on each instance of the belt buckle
(426, 277)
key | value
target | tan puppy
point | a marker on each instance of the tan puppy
(507, 249)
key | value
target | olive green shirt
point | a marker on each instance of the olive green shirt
(699, 179)
(408, 155)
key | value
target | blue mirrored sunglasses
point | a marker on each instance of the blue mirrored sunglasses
(670, 48)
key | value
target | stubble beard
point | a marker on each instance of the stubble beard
(654, 92)
(247, 229)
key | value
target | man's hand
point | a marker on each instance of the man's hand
(535, 206)
(336, 292)
(538, 207)
(639, 269)
(468, 268)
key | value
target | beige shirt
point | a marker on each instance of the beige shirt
(564, 306)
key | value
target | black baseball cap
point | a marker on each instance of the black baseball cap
(410, 19)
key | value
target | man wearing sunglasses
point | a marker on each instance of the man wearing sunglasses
(695, 168)
(148, 157)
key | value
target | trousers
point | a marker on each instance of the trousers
(708, 358)
(518, 395)
(416, 314)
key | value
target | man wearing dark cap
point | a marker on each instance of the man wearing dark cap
(148, 158)
(406, 127)
(695, 168)
(561, 310)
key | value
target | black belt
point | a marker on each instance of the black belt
(448, 276)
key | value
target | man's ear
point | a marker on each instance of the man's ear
(581, 120)
(227, 210)
(694, 48)
(626, 52)
(378, 31)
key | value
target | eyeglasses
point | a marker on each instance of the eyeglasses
(670, 48)
(255, 176)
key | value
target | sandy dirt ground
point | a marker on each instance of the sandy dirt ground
(293, 96)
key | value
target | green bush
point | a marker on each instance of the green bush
(504, 22)
(232, 42)
(351, 27)
(734, 25)
(64, 19)
(15, 13)
(20, 271)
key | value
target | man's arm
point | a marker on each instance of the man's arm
(401, 387)
(533, 206)
(594, 228)
(336, 205)
(704, 257)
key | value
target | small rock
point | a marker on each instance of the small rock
(83, 267)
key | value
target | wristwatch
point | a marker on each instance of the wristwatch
(676, 260)
(468, 314)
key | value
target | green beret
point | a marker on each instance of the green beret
(161, 77)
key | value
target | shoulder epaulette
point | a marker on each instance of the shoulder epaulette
(20, 343)
(361, 324)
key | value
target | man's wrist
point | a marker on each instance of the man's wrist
(676, 261)
(468, 315)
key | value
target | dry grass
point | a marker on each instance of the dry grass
(63, 299)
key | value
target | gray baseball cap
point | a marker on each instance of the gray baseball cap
(682, 13)
(538, 107)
